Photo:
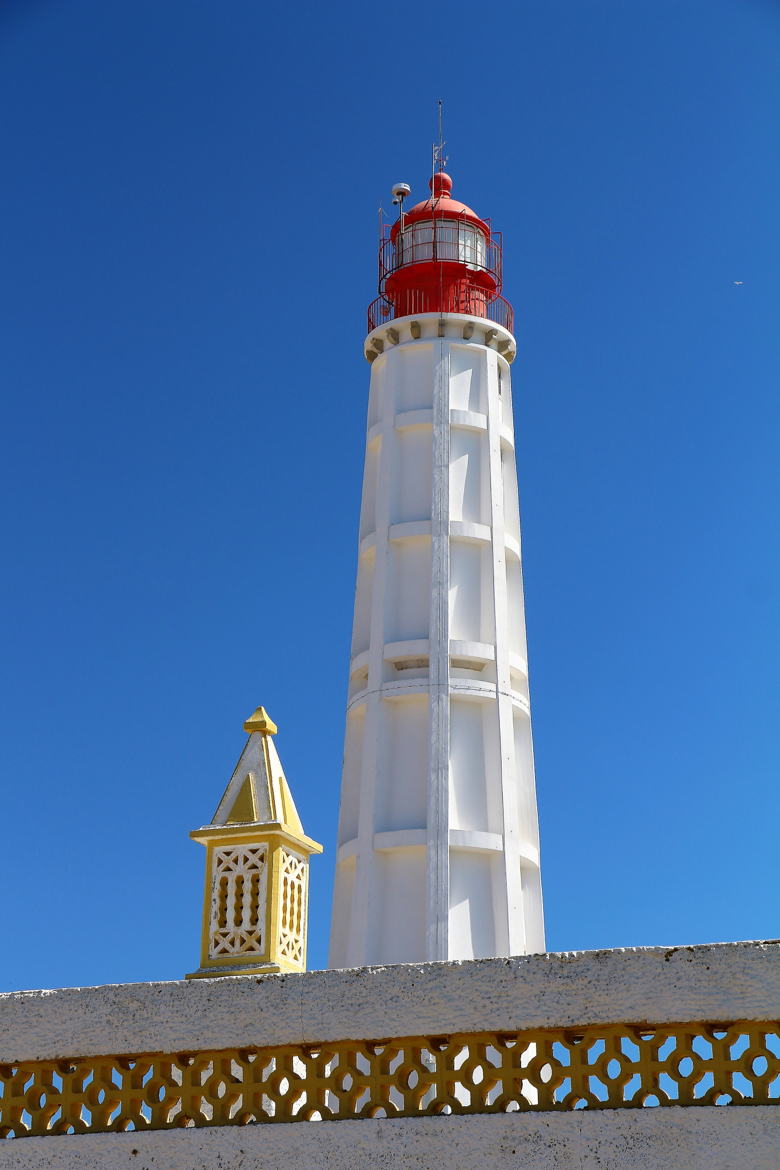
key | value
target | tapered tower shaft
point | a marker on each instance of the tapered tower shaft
(438, 851)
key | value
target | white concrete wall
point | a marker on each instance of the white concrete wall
(722, 981)
(438, 743)
(704, 1138)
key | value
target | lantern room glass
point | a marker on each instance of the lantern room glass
(441, 239)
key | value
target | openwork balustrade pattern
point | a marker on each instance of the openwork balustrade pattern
(593, 1068)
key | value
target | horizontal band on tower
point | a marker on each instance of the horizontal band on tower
(462, 688)
(465, 420)
(470, 840)
(477, 652)
(459, 530)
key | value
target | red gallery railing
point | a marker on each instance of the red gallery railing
(473, 302)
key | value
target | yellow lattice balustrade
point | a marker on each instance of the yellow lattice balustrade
(612, 1067)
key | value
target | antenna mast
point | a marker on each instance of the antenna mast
(439, 161)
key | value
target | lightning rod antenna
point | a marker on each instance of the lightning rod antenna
(441, 160)
(438, 160)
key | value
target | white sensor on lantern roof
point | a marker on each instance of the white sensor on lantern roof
(400, 191)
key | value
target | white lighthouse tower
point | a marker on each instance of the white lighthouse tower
(438, 847)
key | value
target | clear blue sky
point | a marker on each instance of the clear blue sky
(188, 217)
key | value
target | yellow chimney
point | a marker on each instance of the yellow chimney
(255, 910)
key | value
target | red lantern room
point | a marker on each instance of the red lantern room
(439, 257)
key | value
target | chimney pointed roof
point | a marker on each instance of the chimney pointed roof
(258, 792)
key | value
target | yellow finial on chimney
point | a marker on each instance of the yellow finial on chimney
(259, 721)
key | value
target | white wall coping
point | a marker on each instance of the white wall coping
(705, 1138)
(717, 982)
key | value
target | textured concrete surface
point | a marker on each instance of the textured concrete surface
(701, 1138)
(727, 981)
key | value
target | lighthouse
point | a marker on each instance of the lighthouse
(438, 845)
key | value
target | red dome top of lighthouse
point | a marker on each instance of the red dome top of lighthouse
(440, 204)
